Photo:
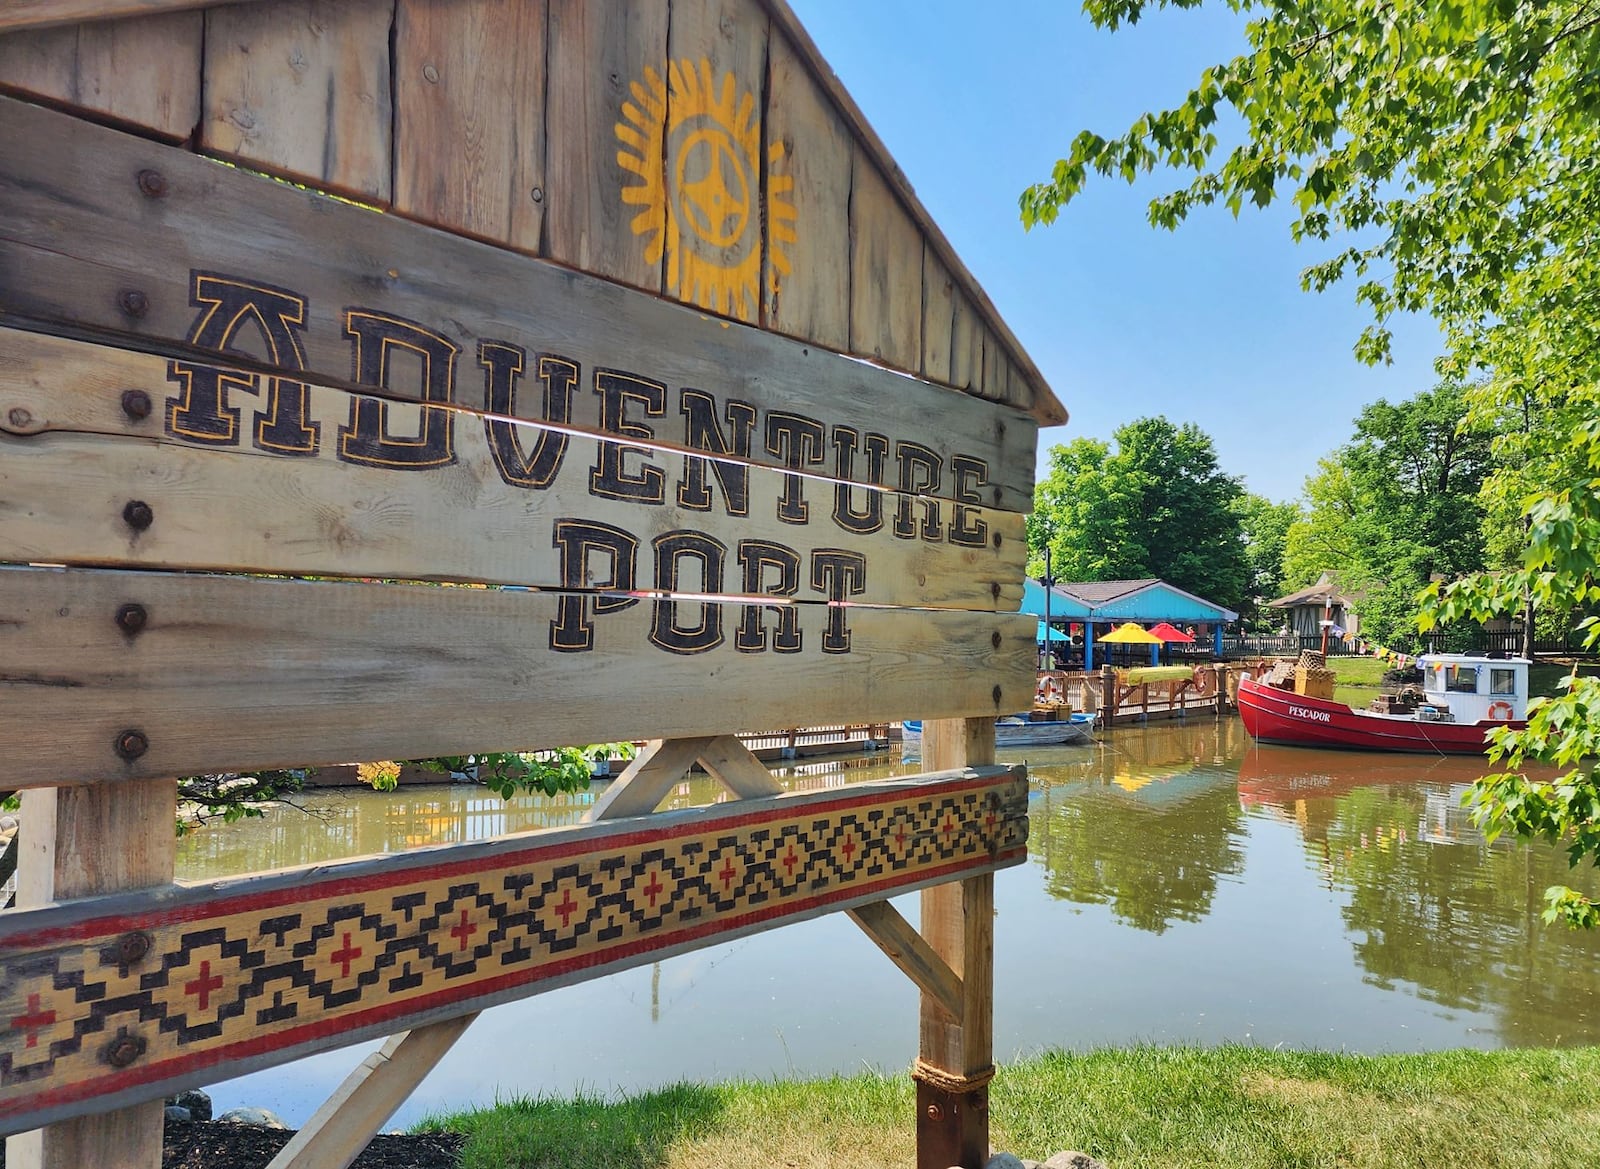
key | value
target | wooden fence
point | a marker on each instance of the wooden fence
(529, 412)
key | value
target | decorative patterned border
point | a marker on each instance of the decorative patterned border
(127, 996)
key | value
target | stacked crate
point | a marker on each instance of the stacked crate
(1312, 678)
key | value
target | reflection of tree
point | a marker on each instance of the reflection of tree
(1459, 919)
(1154, 860)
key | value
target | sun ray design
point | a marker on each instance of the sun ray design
(692, 142)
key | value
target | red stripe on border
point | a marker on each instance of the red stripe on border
(174, 1068)
(333, 886)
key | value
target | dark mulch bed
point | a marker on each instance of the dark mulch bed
(201, 1144)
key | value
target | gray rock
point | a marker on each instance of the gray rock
(1070, 1160)
(259, 1117)
(196, 1101)
(1004, 1161)
(176, 1113)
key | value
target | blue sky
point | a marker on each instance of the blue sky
(1206, 324)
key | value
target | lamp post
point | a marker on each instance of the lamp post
(1048, 582)
(1326, 623)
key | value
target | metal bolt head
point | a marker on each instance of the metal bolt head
(131, 744)
(136, 404)
(132, 618)
(152, 183)
(123, 1050)
(935, 1113)
(133, 302)
(126, 951)
(138, 515)
(538, 194)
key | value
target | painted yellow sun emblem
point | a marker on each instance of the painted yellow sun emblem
(696, 152)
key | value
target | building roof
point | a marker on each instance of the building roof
(1148, 599)
(1324, 590)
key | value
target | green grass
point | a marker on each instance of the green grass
(1137, 1108)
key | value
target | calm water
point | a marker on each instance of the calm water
(1183, 885)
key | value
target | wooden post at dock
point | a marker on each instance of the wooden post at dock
(1108, 695)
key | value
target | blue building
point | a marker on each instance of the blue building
(1099, 606)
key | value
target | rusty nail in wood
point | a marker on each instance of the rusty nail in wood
(997, 539)
(132, 744)
(136, 404)
(994, 639)
(153, 183)
(133, 618)
(132, 947)
(935, 1113)
(137, 515)
(997, 695)
(134, 303)
(123, 1050)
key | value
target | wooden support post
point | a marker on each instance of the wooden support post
(648, 779)
(352, 1116)
(78, 842)
(957, 1059)
(733, 765)
(1108, 695)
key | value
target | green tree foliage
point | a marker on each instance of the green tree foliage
(1396, 504)
(1156, 506)
(1265, 526)
(1443, 153)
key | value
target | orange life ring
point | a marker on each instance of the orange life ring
(1500, 711)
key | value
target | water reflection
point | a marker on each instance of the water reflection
(1183, 886)
(1146, 825)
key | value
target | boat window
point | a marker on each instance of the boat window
(1502, 681)
(1463, 679)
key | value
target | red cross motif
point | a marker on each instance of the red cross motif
(345, 956)
(848, 848)
(654, 888)
(204, 985)
(949, 825)
(900, 836)
(567, 907)
(33, 1020)
(988, 821)
(463, 930)
(727, 873)
(791, 860)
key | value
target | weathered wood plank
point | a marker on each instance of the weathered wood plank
(82, 248)
(19, 14)
(737, 769)
(82, 843)
(966, 345)
(645, 782)
(366, 671)
(599, 58)
(302, 88)
(807, 285)
(885, 272)
(956, 1053)
(143, 72)
(469, 94)
(254, 972)
(79, 459)
(938, 319)
(716, 156)
(905, 947)
(335, 1135)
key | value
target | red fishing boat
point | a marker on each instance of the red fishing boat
(1463, 698)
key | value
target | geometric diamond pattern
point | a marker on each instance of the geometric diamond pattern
(218, 978)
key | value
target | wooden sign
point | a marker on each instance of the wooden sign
(300, 287)
(109, 1001)
(117, 675)
(85, 430)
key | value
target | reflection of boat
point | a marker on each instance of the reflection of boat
(1282, 775)
(1016, 731)
(1464, 697)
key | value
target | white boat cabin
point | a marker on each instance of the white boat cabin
(1475, 688)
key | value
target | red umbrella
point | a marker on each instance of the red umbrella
(1170, 633)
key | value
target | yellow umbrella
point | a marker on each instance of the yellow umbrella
(1131, 634)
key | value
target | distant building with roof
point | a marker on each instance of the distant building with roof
(1111, 602)
(1305, 609)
